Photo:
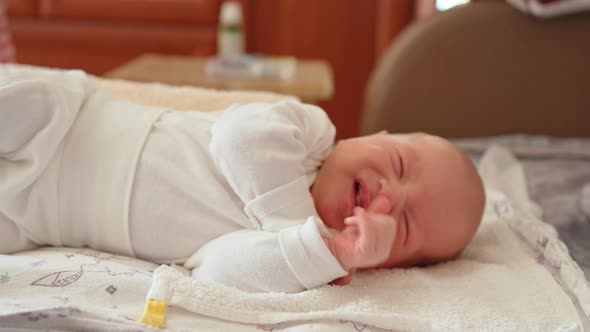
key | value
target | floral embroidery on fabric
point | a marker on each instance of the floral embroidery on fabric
(102, 256)
(65, 278)
(4, 278)
(111, 289)
(33, 317)
(357, 326)
(38, 263)
(62, 299)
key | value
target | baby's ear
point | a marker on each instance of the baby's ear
(382, 132)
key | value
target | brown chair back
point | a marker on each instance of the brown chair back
(484, 69)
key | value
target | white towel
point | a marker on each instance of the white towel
(496, 285)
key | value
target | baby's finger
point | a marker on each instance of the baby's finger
(381, 222)
(367, 230)
(352, 220)
(342, 281)
(386, 229)
(380, 204)
(363, 221)
(384, 223)
(358, 211)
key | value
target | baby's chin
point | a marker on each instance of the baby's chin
(413, 262)
(332, 220)
(419, 258)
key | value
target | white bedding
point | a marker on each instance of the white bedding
(495, 267)
(81, 289)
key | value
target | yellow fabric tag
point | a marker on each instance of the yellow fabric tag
(154, 313)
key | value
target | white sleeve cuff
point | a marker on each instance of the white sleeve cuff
(282, 207)
(310, 260)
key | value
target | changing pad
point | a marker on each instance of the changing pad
(497, 284)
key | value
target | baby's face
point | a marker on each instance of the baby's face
(435, 193)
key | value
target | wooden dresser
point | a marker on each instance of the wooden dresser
(98, 35)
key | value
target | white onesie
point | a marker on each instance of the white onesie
(226, 193)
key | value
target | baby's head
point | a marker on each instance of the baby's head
(435, 193)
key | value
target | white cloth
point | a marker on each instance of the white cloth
(178, 187)
(68, 160)
(502, 173)
(290, 261)
(496, 285)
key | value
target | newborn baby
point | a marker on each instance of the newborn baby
(256, 197)
(416, 199)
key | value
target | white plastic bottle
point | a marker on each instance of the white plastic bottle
(230, 38)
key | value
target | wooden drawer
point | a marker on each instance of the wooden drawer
(100, 46)
(174, 11)
(89, 60)
(111, 37)
(21, 7)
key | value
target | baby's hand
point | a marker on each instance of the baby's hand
(380, 204)
(366, 240)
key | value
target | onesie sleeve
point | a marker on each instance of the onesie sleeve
(293, 260)
(37, 109)
(269, 154)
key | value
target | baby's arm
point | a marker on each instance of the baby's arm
(267, 153)
(299, 257)
(292, 260)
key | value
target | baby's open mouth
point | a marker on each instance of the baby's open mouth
(360, 194)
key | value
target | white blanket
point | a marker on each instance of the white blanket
(78, 289)
(496, 285)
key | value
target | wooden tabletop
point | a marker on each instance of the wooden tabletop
(312, 81)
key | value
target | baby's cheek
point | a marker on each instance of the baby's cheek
(407, 254)
(330, 215)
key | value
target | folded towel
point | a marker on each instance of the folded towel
(496, 285)
(550, 8)
(180, 98)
